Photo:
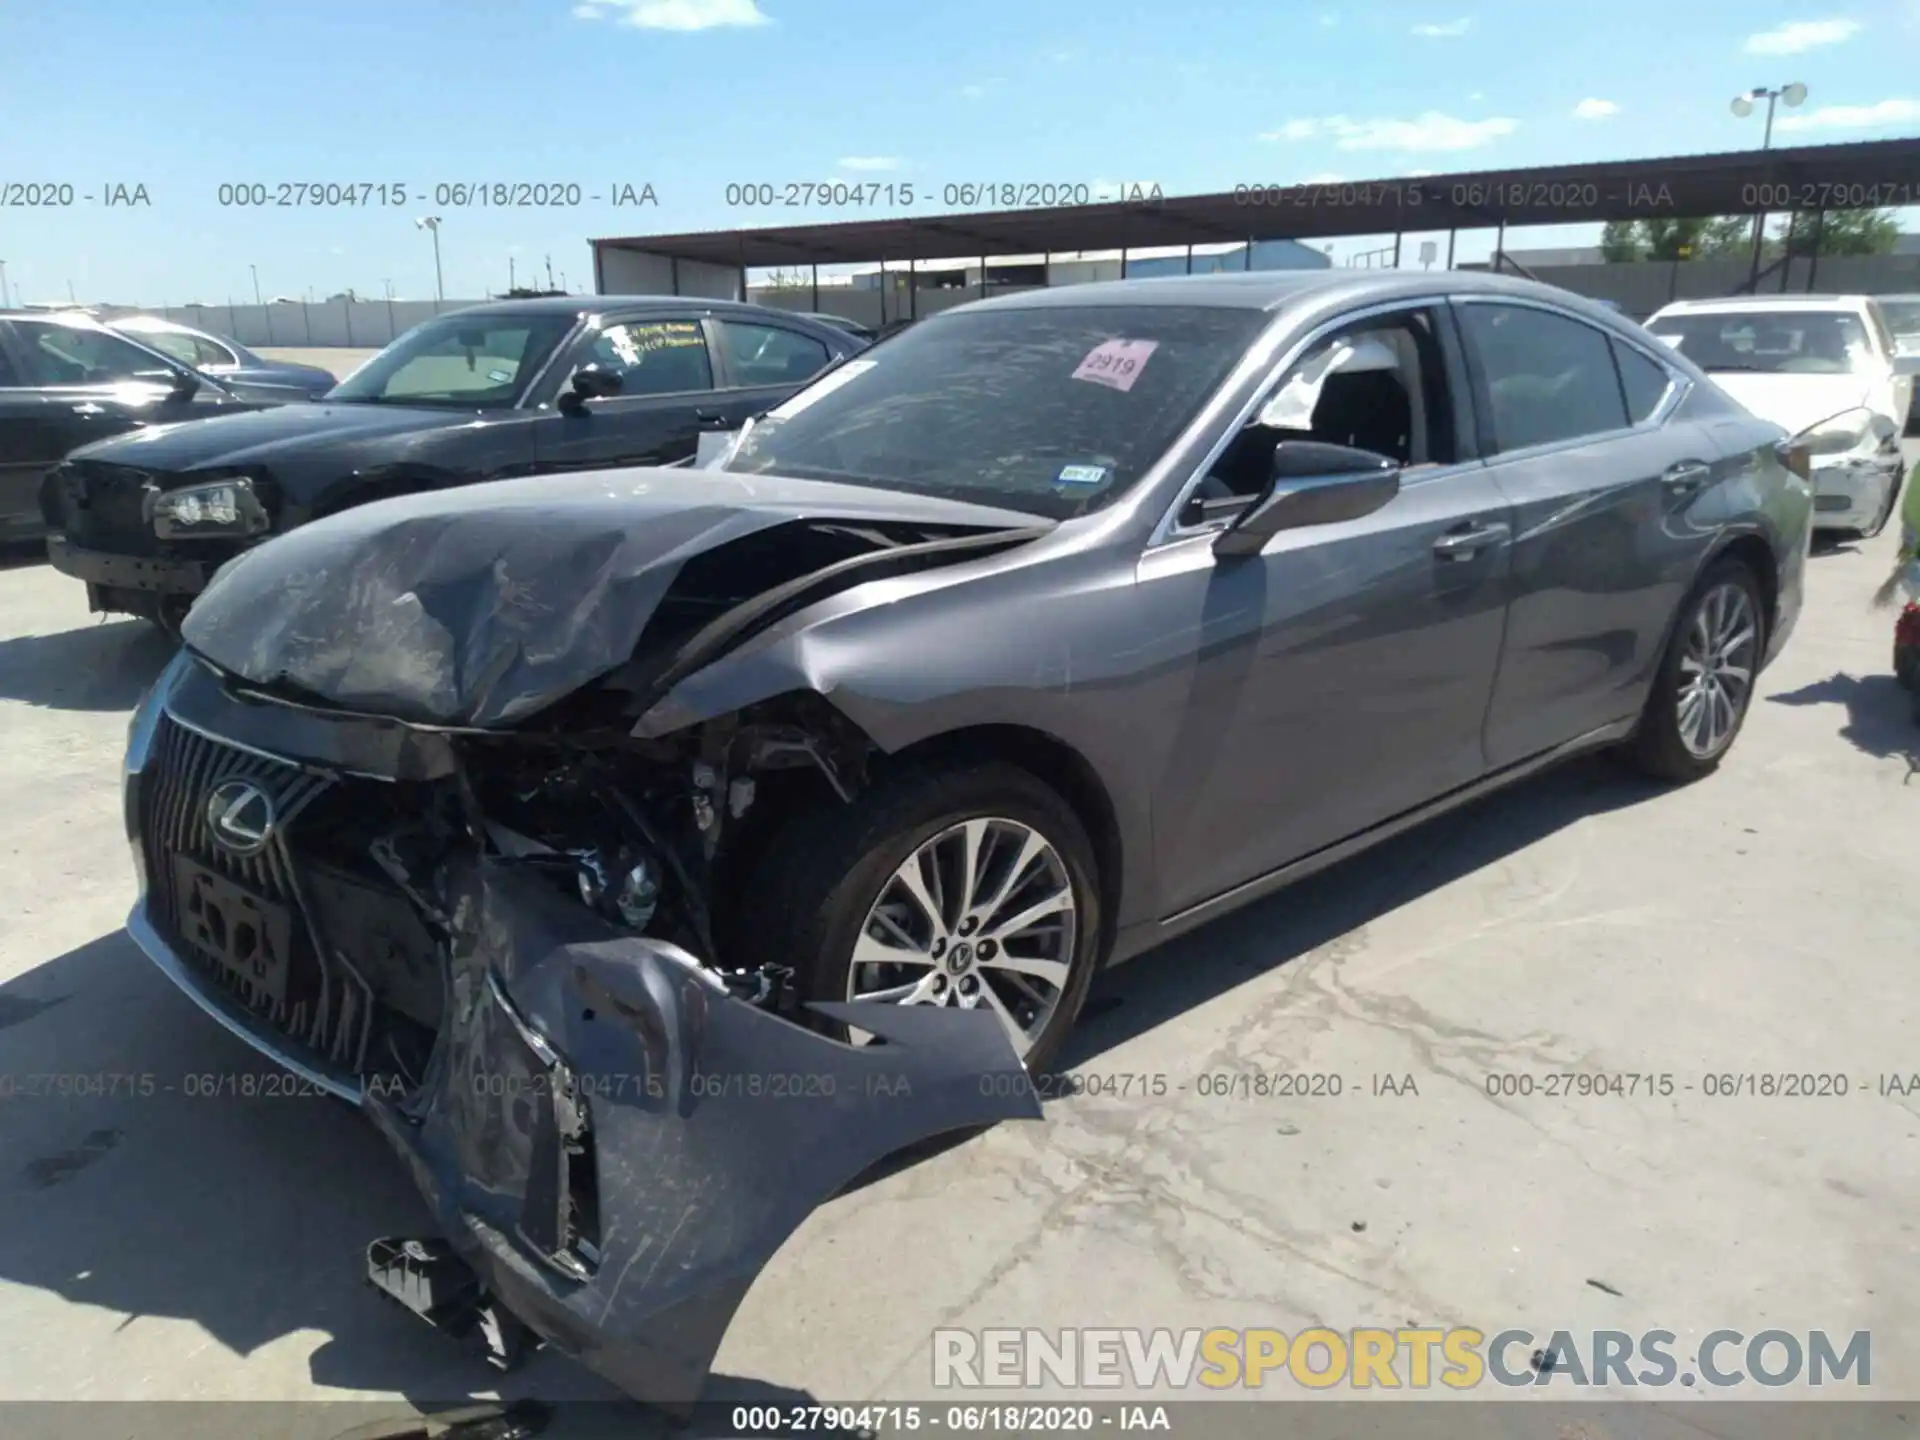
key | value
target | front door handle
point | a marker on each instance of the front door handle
(1686, 477)
(1469, 540)
(89, 409)
(710, 417)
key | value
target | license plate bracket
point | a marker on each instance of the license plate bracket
(249, 937)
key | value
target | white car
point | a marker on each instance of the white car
(1799, 360)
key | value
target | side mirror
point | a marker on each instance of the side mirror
(1312, 484)
(184, 385)
(589, 382)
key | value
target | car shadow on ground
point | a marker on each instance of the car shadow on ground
(1878, 713)
(156, 1169)
(103, 666)
(1185, 973)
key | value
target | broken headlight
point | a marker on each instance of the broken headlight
(221, 507)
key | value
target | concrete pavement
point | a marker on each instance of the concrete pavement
(162, 1245)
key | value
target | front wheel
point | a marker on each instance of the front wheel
(1705, 685)
(966, 884)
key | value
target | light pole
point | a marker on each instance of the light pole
(256, 285)
(1743, 106)
(432, 222)
(5, 303)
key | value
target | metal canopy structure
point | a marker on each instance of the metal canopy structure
(1868, 175)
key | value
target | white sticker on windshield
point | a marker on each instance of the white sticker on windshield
(821, 388)
(499, 377)
(1081, 475)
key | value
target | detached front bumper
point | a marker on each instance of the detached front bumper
(1852, 494)
(613, 1143)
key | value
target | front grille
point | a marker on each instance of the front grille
(103, 507)
(321, 1002)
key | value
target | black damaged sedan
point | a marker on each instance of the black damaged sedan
(516, 387)
(651, 850)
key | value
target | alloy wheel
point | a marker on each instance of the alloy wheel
(983, 915)
(1717, 668)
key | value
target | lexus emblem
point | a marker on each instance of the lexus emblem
(241, 817)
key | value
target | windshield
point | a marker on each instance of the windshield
(1054, 411)
(466, 362)
(1778, 342)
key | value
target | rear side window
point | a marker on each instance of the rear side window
(9, 376)
(1549, 378)
(769, 355)
(1644, 382)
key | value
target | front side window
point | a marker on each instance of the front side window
(1549, 378)
(653, 357)
(1903, 317)
(65, 355)
(1772, 342)
(770, 355)
(1055, 410)
(482, 362)
(1378, 385)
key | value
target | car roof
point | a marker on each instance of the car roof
(159, 324)
(78, 319)
(1275, 290)
(1737, 304)
(602, 304)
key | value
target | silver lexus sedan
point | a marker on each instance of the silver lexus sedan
(650, 850)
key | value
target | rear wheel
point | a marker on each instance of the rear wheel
(966, 884)
(1705, 685)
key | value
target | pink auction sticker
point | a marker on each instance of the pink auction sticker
(1116, 363)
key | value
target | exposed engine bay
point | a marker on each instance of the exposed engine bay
(405, 825)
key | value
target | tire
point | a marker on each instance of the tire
(812, 895)
(168, 615)
(1661, 745)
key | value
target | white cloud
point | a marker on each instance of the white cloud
(1431, 131)
(869, 162)
(1447, 31)
(1478, 95)
(1327, 22)
(1854, 117)
(677, 14)
(1595, 109)
(1799, 35)
(978, 91)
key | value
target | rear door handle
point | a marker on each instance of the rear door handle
(89, 409)
(1686, 477)
(1469, 540)
(710, 417)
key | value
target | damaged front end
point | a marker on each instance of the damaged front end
(520, 946)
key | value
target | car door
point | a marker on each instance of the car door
(761, 365)
(66, 387)
(666, 395)
(1614, 493)
(1341, 676)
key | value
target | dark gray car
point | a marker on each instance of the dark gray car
(614, 836)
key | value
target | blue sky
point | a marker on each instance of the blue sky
(691, 95)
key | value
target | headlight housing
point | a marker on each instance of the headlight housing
(223, 508)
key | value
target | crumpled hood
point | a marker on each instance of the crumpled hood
(262, 436)
(480, 605)
(1794, 402)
